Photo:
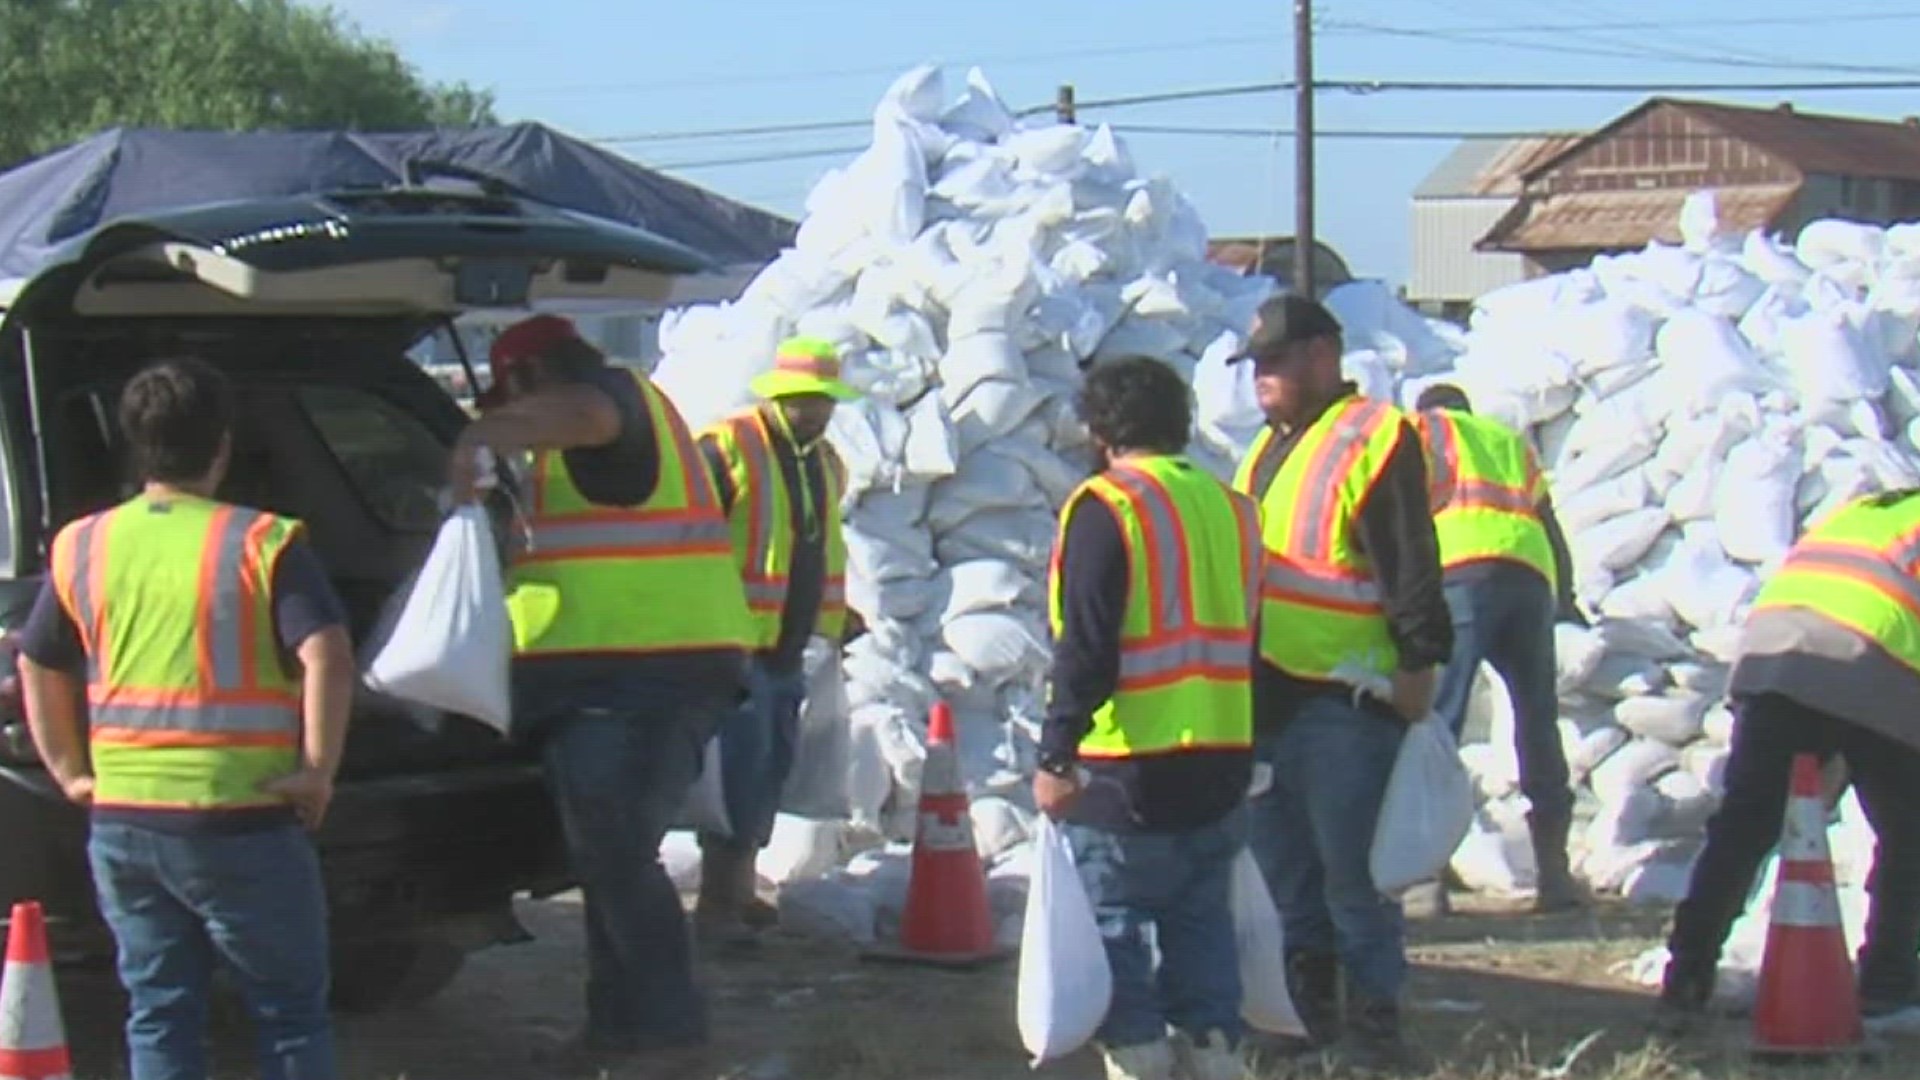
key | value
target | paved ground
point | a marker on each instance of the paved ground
(1497, 995)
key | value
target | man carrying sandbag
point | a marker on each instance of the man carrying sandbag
(1508, 577)
(1152, 585)
(1352, 585)
(1829, 664)
(631, 633)
(780, 483)
(211, 654)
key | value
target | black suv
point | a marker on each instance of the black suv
(311, 305)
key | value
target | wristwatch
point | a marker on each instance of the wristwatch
(1058, 765)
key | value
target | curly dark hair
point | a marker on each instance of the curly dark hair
(175, 414)
(1137, 404)
(1443, 396)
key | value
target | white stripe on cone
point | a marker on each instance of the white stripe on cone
(30, 1009)
(1805, 906)
(1804, 838)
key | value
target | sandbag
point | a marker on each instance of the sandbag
(1754, 507)
(1065, 984)
(1674, 719)
(1265, 1003)
(1618, 543)
(452, 642)
(1426, 812)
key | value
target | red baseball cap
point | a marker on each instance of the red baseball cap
(528, 339)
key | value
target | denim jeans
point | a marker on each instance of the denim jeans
(757, 743)
(619, 777)
(1175, 883)
(177, 903)
(1886, 774)
(1312, 834)
(1507, 621)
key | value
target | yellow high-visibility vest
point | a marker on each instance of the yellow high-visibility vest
(1186, 644)
(190, 706)
(1486, 489)
(762, 525)
(1320, 603)
(659, 577)
(1859, 567)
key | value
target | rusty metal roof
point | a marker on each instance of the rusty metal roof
(1817, 143)
(1482, 168)
(1607, 220)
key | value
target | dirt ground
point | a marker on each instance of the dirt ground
(1497, 994)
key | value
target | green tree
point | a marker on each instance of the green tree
(69, 68)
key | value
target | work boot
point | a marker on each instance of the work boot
(1313, 980)
(719, 912)
(1685, 991)
(1148, 1061)
(1557, 890)
(1374, 1043)
(1208, 1059)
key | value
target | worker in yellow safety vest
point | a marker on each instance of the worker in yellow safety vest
(780, 482)
(1351, 597)
(1508, 579)
(1154, 581)
(187, 675)
(1829, 665)
(631, 630)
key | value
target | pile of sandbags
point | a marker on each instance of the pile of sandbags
(970, 264)
(1696, 407)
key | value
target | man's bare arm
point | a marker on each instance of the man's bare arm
(56, 716)
(326, 703)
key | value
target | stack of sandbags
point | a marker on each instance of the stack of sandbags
(970, 265)
(1696, 407)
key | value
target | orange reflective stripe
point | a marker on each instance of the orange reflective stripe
(766, 590)
(693, 472)
(86, 579)
(183, 738)
(1337, 455)
(1860, 564)
(1252, 550)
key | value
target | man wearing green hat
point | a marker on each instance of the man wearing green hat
(780, 483)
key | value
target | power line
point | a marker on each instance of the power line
(1349, 86)
(1337, 26)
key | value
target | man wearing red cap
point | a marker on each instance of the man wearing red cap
(631, 633)
(781, 484)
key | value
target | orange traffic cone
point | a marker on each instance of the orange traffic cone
(1807, 1004)
(33, 1041)
(947, 921)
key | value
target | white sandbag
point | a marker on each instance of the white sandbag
(986, 585)
(1577, 654)
(1644, 597)
(1622, 675)
(1638, 637)
(1601, 336)
(1771, 263)
(1484, 860)
(1023, 536)
(1727, 289)
(1661, 882)
(991, 410)
(1065, 985)
(998, 646)
(1718, 727)
(450, 645)
(1591, 504)
(1835, 355)
(1674, 719)
(1689, 803)
(999, 826)
(1595, 747)
(828, 909)
(1829, 242)
(1754, 509)
(1602, 464)
(801, 849)
(985, 481)
(1703, 358)
(680, 857)
(1265, 1002)
(822, 754)
(930, 448)
(1426, 812)
(1493, 767)
(1618, 543)
(1707, 763)
(705, 808)
(1630, 769)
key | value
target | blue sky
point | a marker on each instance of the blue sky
(612, 69)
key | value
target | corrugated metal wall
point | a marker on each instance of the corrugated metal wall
(1446, 268)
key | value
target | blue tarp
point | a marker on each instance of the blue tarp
(120, 172)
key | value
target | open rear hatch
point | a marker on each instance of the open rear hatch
(310, 304)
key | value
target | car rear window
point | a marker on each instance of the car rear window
(396, 464)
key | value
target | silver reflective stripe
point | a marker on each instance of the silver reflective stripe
(766, 592)
(224, 622)
(1252, 549)
(563, 535)
(222, 719)
(1354, 425)
(1292, 580)
(1139, 663)
(753, 444)
(1480, 495)
(1165, 540)
(1815, 556)
(1441, 449)
(83, 590)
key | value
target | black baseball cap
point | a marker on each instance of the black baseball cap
(1287, 320)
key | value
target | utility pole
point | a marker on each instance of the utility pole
(1063, 104)
(1303, 245)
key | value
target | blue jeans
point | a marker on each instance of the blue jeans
(1507, 621)
(757, 742)
(1179, 884)
(619, 777)
(177, 902)
(1312, 833)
